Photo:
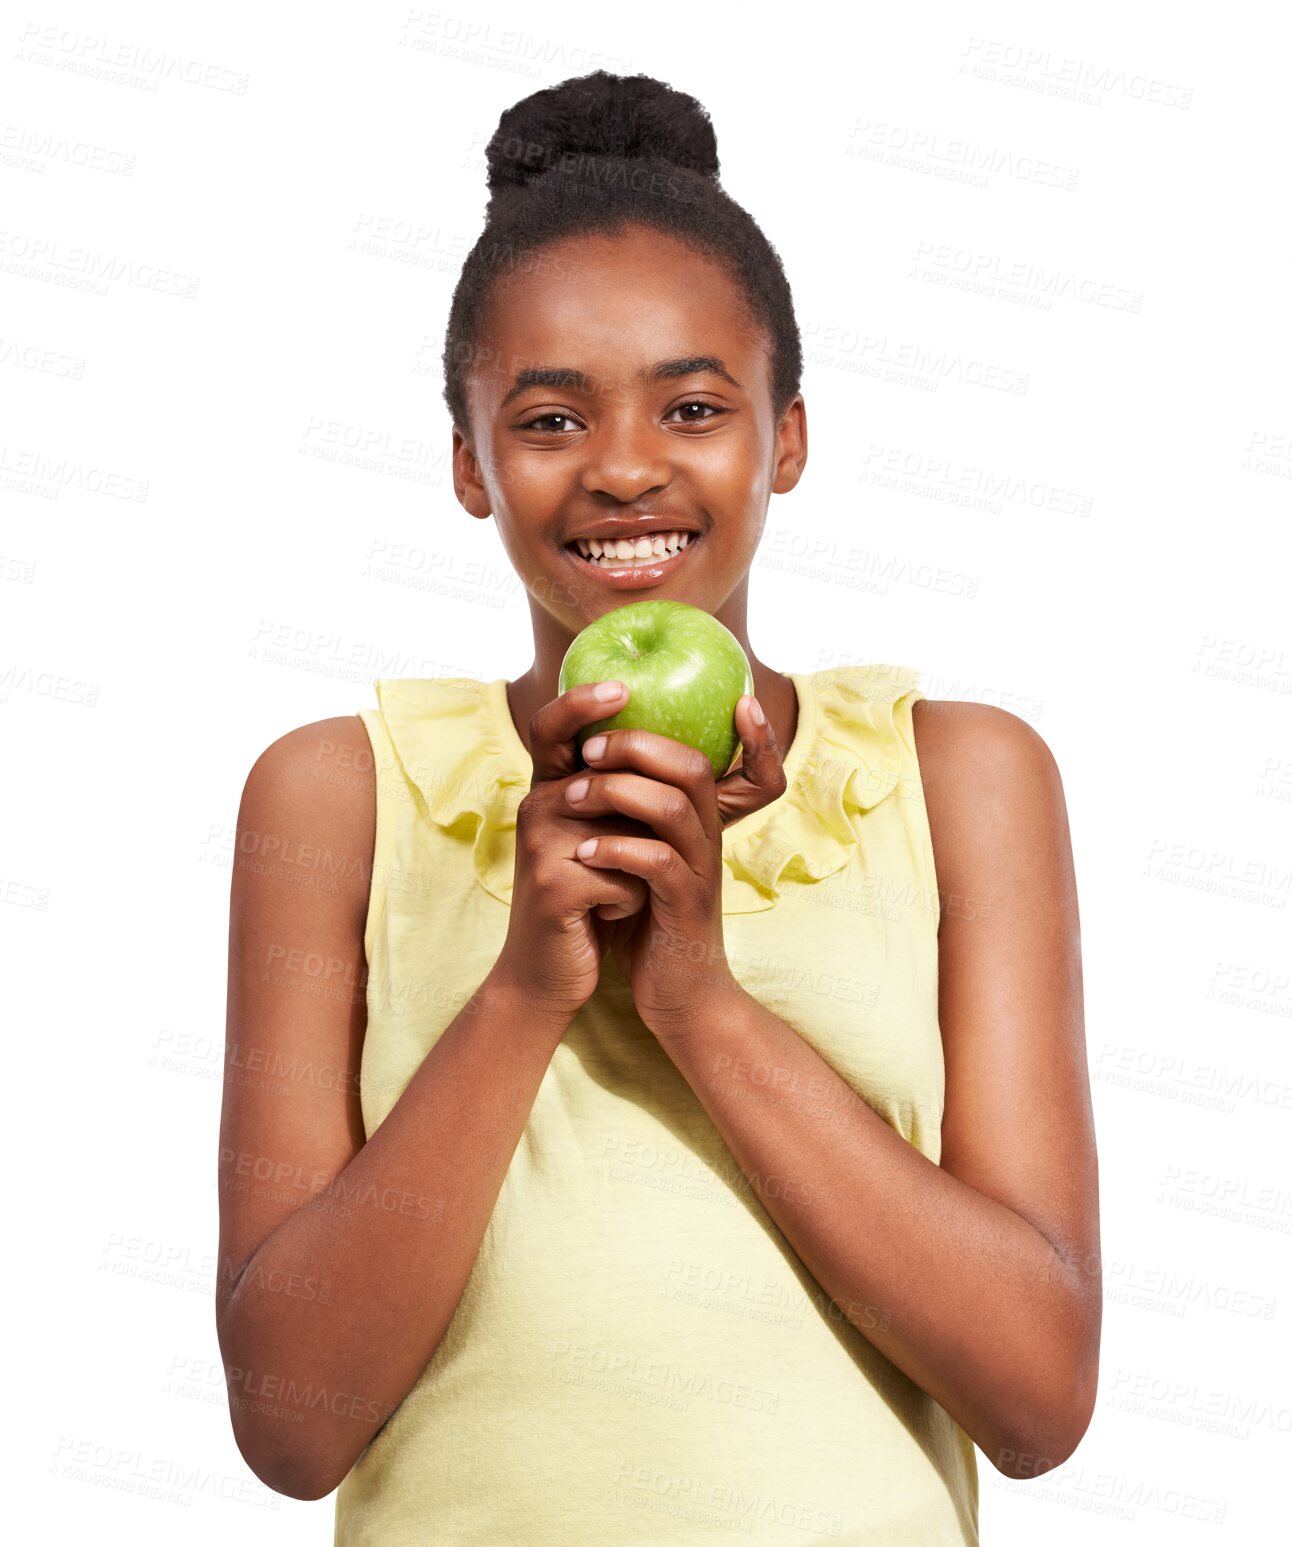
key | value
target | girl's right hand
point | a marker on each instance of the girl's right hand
(554, 941)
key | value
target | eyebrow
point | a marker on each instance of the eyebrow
(662, 370)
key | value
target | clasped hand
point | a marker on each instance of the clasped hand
(670, 949)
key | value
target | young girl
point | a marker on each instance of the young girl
(611, 1154)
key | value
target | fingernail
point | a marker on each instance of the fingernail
(587, 848)
(605, 691)
(594, 747)
(756, 712)
(578, 789)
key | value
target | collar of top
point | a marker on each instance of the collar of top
(469, 771)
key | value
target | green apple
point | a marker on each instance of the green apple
(684, 671)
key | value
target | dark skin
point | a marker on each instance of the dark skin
(978, 1277)
(610, 306)
(987, 1264)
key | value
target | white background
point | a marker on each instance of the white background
(277, 201)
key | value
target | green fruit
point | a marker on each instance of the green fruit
(684, 671)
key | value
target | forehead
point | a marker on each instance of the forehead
(610, 305)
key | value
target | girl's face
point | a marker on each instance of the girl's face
(619, 378)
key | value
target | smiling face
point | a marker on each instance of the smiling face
(622, 389)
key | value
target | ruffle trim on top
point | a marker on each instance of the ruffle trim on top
(462, 755)
(449, 739)
(848, 755)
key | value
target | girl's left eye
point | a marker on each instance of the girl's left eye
(712, 407)
(543, 419)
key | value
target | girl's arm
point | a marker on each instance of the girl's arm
(980, 1277)
(342, 1262)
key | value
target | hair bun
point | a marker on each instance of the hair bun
(600, 115)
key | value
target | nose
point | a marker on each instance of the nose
(625, 460)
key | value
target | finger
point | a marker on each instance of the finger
(663, 869)
(664, 808)
(611, 889)
(760, 777)
(667, 761)
(552, 729)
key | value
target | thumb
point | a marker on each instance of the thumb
(759, 777)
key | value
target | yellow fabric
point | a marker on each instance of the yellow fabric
(639, 1356)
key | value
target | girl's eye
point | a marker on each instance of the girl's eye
(713, 409)
(546, 419)
(542, 419)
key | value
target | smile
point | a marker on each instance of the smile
(624, 564)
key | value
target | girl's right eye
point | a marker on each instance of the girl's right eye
(541, 418)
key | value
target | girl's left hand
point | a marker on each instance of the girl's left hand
(671, 951)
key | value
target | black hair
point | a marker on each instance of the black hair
(595, 154)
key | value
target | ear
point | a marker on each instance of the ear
(791, 447)
(468, 483)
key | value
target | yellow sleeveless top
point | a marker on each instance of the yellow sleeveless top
(639, 1356)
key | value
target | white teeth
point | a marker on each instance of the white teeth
(629, 551)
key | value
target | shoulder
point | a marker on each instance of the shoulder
(959, 742)
(313, 788)
(990, 783)
(334, 755)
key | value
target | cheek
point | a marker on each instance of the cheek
(744, 504)
(744, 475)
(526, 487)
